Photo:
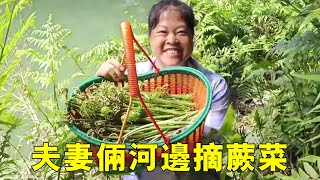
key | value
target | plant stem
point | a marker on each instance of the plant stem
(296, 94)
(173, 121)
(299, 105)
(55, 98)
(59, 171)
(7, 33)
(19, 155)
(75, 60)
(259, 93)
(39, 108)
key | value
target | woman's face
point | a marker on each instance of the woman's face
(171, 40)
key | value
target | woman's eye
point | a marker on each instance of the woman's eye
(182, 32)
(161, 32)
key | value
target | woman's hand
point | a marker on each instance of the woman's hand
(112, 70)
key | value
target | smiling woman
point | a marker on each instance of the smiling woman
(171, 39)
(171, 32)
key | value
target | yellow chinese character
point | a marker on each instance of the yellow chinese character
(147, 156)
(45, 156)
(210, 155)
(273, 161)
(111, 154)
(178, 159)
(239, 155)
(78, 157)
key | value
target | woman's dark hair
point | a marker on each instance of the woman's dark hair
(157, 9)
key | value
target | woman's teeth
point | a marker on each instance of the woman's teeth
(172, 51)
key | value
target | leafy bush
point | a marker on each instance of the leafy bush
(10, 57)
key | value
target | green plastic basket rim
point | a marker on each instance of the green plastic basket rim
(178, 137)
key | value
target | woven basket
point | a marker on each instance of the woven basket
(180, 80)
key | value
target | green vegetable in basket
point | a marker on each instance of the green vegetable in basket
(105, 105)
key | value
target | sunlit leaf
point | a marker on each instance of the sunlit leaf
(283, 177)
(5, 123)
(312, 173)
(4, 76)
(257, 119)
(315, 109)
(303, 174)
(314, 138)
(295, 174)
(78, 74)
(18, 35)
(310, 158)
(8, 12)
(317, 99)
(314, 120)
(313, 77)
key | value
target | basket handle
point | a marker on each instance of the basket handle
(129, 58)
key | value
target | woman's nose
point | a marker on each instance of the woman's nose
(172, 39)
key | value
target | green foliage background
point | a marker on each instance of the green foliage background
(268, 51)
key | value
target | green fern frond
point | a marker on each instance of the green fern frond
(19, 34)
(308, 169)
(7, 44)
(309, 20)
(109, 49)
(20, 6)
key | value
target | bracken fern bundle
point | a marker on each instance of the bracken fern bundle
(102, 107)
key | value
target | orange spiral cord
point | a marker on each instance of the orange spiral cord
(144, 52)
(129, 59)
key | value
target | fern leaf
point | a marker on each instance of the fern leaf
(295, 174)
(303, 174)
(312, 173)
(314, 14)
(315, 138)
(4, 76)
(18, 35)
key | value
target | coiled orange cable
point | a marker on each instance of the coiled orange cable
(129, 58)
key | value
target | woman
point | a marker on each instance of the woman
(171, 31)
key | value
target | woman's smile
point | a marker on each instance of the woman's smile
(173, 52)
(171, 41)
